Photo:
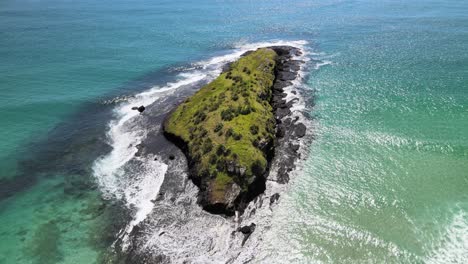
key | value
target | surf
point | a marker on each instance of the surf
(136, 180)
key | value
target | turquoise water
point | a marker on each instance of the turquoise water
(386, 177)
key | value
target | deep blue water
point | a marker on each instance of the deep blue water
(386, 177)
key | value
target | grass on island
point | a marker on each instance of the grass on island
(227, 121)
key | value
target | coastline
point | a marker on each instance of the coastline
(286, 131)
(380, 175)
(176, 215)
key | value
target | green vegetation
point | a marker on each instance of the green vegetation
(227, 124)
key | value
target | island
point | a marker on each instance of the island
(228, 129)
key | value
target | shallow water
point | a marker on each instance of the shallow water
(386, 176)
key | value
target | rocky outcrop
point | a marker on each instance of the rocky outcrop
(288, 129)
(139, 108)
(228, 182)
(247, 231)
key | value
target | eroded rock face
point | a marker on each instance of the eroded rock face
(288, 129)
(223, 204)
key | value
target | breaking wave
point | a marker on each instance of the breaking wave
(453, 246)
(123, 175)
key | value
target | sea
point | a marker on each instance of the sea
(383, 177)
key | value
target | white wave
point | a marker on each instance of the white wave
(119, 174)
(321, 63)
(125, 133)
(242, 48)
(137, 180)
(453, 246)
(293, 43)
(187, 234)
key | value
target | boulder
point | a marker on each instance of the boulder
(279, 85)
(300, 130)
(280, 131)
(291, 102)
(139, 108)
(277, 102)
(287, 76)
(247, 231)
(282, 112)
(283, 175)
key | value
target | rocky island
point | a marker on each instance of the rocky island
(228, 129)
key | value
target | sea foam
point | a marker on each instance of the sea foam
(136, 181)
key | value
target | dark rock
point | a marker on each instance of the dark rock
(280, 131)
(279, 85)
(297, 52)
(278, 89)
(139, 108)
(283, 51)
(247, 53)
(277, 101)
(274, 198)
(294, 147)
(226, 67)
(291, 102)
(247, 231)
(300, 130)
(283, 104)
(135, 257)
(287, 76)
(171, 157)
(140, 150)
(253, 212)
(282, 112)
(283, 175)
(292, 67)
(287, 122)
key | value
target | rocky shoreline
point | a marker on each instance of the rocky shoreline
(288, 130)
(178, 229)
